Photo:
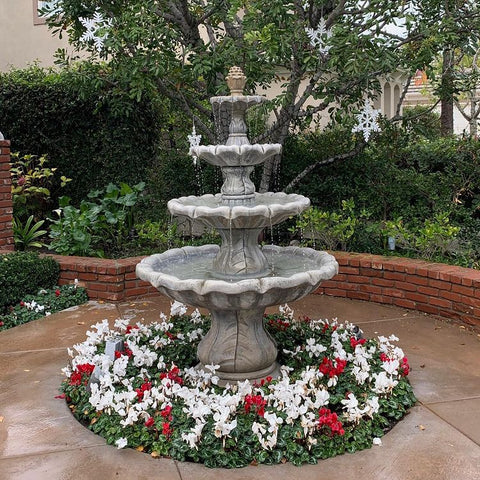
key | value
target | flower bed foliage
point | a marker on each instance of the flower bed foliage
(338, 392)
(44, 303)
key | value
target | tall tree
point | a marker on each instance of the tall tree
(333, 50)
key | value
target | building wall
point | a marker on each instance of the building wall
(22, 39)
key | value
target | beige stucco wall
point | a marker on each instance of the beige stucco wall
(22, 42)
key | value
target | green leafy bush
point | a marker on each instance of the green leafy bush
(405, 173)
(45, 302)
(330, 230)
(32, 182)
(436, 238)
(100, 226)
(24, 273)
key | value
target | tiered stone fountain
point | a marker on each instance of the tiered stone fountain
(239, 279)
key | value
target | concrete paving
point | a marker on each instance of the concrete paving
(438, 440)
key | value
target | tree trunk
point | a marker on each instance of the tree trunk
(473, 115)
(447, 90)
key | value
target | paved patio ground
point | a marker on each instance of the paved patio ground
(438, 440)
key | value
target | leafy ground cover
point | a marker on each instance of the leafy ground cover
(44, 303)
(338, 392)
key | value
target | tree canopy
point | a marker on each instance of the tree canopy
(334, 51)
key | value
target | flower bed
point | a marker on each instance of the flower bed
(46, 302)
(338, 392)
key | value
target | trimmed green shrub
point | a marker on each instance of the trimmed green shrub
(90, 132)
(24, 273)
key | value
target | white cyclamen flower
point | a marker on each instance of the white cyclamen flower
(122, 442)
(177, 308)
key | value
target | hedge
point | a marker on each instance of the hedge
(75, 117)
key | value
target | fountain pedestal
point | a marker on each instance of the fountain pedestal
(238, 342)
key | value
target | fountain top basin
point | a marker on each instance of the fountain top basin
(246, 100)
(236, 155)
(184, 274)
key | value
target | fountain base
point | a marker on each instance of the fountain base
(226, 378)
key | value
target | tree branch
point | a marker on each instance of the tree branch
(342, 156)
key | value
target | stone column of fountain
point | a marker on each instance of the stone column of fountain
(239, 279)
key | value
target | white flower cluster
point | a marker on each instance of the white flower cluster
(36, 307)
(283, 401)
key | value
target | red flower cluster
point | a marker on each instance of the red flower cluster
(263, 381)
(167, 430)
(384, 357)
(171, 336)
(354, 342)
(279, 324)
(57, 292)
(330, 420)
(327, 326)
(405, 367)
(77, 376)
(143, 388)
(172, 375)
(130, 328)
(258, 402)
(167, 413)
(328, 368)
(150, 422)
(126, 351)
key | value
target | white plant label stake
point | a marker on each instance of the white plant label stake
(194, 141)
(319, 36)
(367, 120)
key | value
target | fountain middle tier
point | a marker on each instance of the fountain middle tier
(265, 210)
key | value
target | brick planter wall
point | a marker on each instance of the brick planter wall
(434, 288)
(6, 205)
(104, 279)
(449, 291)
(438, 289)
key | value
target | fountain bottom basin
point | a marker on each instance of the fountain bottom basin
(237, 340)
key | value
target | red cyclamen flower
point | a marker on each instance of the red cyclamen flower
(405, 367)
(78, 374)
(57, 292)
(328, 368)
(330, 420)
(354, 342)
(143, 388)
(166, 429)
(258, 402)
(150, 422)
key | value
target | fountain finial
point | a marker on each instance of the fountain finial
(236, 81)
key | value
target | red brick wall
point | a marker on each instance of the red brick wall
(445, 290)
(449, 291)
(104, 279)
(6, 205)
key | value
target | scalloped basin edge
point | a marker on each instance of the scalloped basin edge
(160, 271)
